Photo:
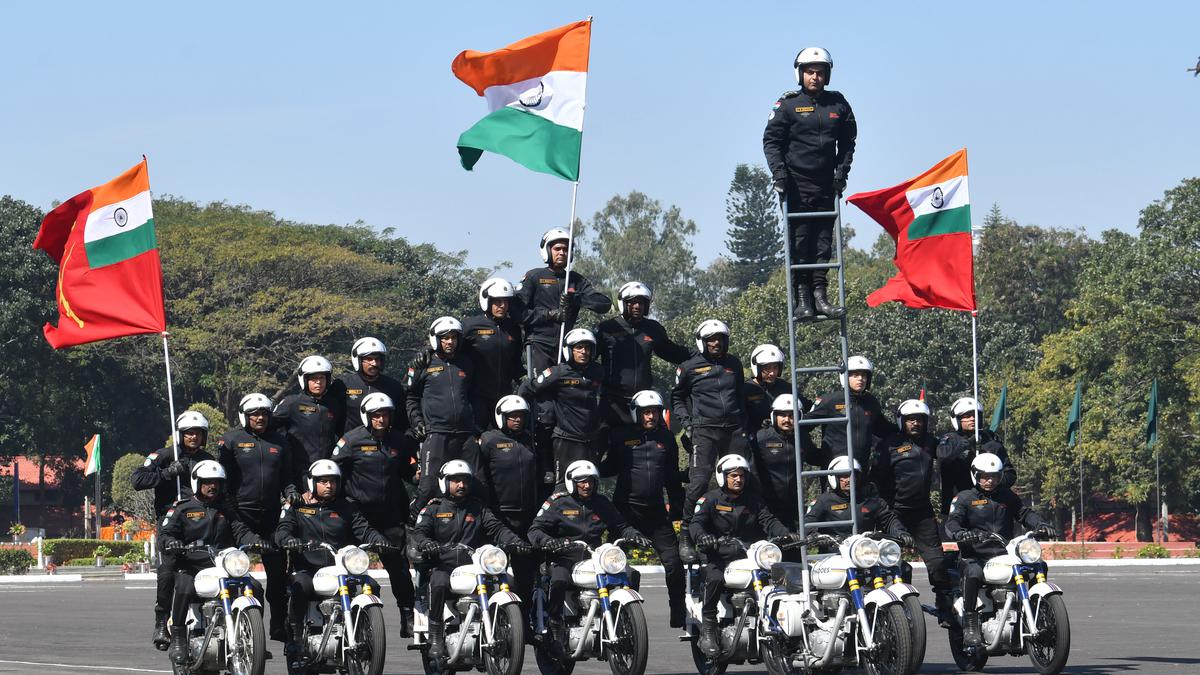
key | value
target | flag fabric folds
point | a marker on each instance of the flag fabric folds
(929, 218)
(93, 456)
(1000, 410)
(1075, 415)
(1152, 416)
(535, 91)
(109, 275)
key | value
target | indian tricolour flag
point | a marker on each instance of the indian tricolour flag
(929, 217)
(535, 95)
(93, 456)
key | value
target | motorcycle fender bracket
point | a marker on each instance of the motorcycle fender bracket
(365, 600)
(245, 602)
(1044, 588)
(902, 590)
(625, 596)
(880, 597)
(501, 598)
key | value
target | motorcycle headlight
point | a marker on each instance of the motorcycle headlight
(1029, 550)
(492, 560)
(355, 560)
(889, 553)
(767, 554)
(235, 563)
(611, 560)
(864, 553)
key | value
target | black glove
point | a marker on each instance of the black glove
(174, 469)
(292, 544)
(640, 541)
(906, 540)
(969, 536)
(548, 478)
(291, 495)
(173, 545)
(420, 431)
(706, 542)
(556, 545)
(420, 361)
(1046, 531)
(779, 185)
(839, 183)
(790, 538)
(428, 548)
(520, 548)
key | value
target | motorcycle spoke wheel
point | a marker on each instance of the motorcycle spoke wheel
(629, 653)
(508, 633)
(775, 656)
(703, 665)
(1050, 647)
(893, 641)
(251, 641)
(972, 663)
(916, 619)
(371, 638)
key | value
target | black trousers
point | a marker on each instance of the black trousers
(714, 585)
(542, 356)
(439, 584)
(923, 527)
(971, 572)
(524, 567)
(653, 522)
(185, 591)
(390, 523)
(567, 451)
(300, 593)
(274, 563)
(811, 238)
(439, 448)
(709, 443)
(164, 583)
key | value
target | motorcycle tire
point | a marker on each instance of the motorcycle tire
(509, 630)
(967, 663)
(775, 656)
(631, 633)
(1049, 653)
(893, 638)
(248, 629)
(546, 664)
(916, 619)
(703, 665)
(370, 633)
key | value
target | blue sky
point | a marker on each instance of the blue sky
(1075, 114)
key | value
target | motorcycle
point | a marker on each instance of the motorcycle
(1015, 617)
(895, 575)
(484, 626)
(224, 621)
(343, 628)
(603, 617)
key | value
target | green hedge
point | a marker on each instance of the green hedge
(15, 561)
(66, 549)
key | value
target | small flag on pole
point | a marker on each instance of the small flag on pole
(1075, 415)
(93, 456)
(1001, 408)
(1152, 416)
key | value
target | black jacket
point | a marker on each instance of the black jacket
(374, 470)
(566, 516)
(440, 396)
(775, 469)
(191, 520)
(868, 423)
(646, 463)
(511, 473)
(311, 428)
(874, 515)
(338, 523)
(998, 512)
(957, 450)
(494, 347)
(351, 388)
(149, 476)
(539, 294)
(809, 139)
(902, 470)
(708, 393)
(574, 394)
(759, 399)
(259, 470)
(743, 516)
(625, 350)
(450, 521)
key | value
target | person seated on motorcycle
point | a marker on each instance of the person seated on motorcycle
(190, 526)
(975, 515)
(580, 513)
(731, 510)
(873, 514)
(329, 519)
(455, 517)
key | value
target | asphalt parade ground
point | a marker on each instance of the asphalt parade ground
(1123, 620)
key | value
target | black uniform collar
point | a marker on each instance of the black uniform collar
(732, 497)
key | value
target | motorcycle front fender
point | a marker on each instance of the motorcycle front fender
(625, 596)
(881, 597)
(902, 590)
(245, 602)
(501, 598)
(365, 600)
(1044, 588)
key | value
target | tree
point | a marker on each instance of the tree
(752, 209)
(137, 503)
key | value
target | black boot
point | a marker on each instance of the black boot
(823, 307)
(710, 643)
(559, 641)
(804, 303)
(179, 648)
(687, 550)
(945, 609)
(162, 639)
(677, 617)
(406, 622)
(437, 640)
(971, 634)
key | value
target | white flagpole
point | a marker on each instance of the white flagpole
(171, 404)
(562, 328)
(975, 370)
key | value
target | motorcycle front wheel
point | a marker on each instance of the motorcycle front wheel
(776, 656)
(371, 637)
(967, 663)
(893, 641)
(631, 649)
(250, 641)
(546, 663)
(508, 634)
(1049, 649)
(916, 619)
(703, 665)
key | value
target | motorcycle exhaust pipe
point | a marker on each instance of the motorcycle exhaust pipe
(462, 633)
(587, 627)
(843, 605)
(1008, 600)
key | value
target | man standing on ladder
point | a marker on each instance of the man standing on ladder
(809, 145)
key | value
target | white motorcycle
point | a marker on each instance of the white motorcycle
(484, 626)
(343, 628)
(1017, 617)
(603, 616)
(224, 622)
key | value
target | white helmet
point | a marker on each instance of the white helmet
(206, 470)
(575, 337)
(364, 347)
(374, 402)
(579, 469)
(911, 407)
(313, 365)
(552, 235)
(646, 398)
(455, 467)
(727, 464)
(812, 55)
(709, 328)
(763, 355)
(251, 402)
(985, 462)
(508, 405)
(631, 290)
(320, 469)
(856, 363)
(494, 287)
(840, 463)
(783, 403)
(441, 326)
(190, 419)
(961, 407)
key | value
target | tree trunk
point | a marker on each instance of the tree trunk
(1144, 519)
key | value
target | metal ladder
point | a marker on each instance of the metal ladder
(805, 424)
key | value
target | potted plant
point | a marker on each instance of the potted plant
(130, 528)
(16, 530)
(48, 550)
(101, 553)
